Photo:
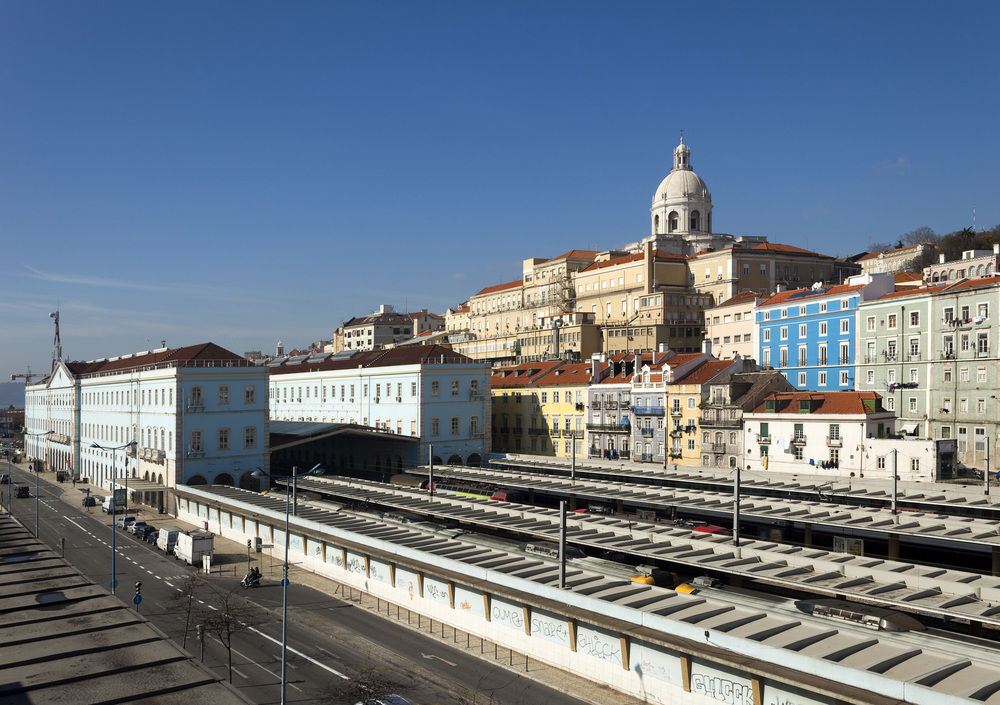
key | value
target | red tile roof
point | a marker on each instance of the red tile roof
(201, 355)
(521, 375)
(575, 254)
(788, 249)
(742, 298)
(705, 372)
(406, 355)
(634, 257)
(851, 403)
(573, 374)
(837, 290)
(500, 287)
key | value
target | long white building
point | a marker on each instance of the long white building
(197, 414)
(429, 392)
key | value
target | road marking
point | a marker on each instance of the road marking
(311, 660)
(149, 571)
(77, 525)
(240, 673)
(435, 656)
(212, 607)
(260, 666)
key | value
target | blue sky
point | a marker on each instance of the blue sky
(247, 172)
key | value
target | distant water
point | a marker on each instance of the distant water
(11, 393)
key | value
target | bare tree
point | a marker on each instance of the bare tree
(184, 599)
(232, 615)
(368, 684)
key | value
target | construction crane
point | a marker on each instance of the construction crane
(27, 376)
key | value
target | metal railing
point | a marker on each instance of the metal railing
(837, 442)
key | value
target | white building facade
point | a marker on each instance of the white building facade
(429, 392)
(197, 415)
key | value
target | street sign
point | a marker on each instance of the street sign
(136, 600)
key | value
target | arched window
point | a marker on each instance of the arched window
(656, 223)
(951, 275)
(989, 270)
(672, 221)
(980, 270)
(935, 277)
(695, 220)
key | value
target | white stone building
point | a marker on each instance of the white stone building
(429, 392)
(197, 415)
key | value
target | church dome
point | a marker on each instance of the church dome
(682, 203)
(681, 185)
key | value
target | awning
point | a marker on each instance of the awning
(909, 427)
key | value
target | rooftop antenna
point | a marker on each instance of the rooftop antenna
(56, 342)
(973, 219)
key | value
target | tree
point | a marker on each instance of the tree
(369, 683)
(921, 234)
(184, 598)
(231, 616)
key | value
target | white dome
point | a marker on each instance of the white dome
(681, 186)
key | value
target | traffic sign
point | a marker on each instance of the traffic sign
(136, 600)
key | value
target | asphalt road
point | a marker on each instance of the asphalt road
(331, 643)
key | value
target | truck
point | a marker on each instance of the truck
(167, 538)
(192, 545)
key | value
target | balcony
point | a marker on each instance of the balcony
(764, 440)
(799, 440)
(609, 428)
(718, 447)
(646, 432)
(837, 442)
(610, 405)
(914, 357)
(845, 360)
(195, 404)
(676, 412)
(596, 405)
(195, 453)
(624, 405)
(649, 410)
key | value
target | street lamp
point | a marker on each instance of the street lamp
(314, 470)
(10, 481)
(37, 473)
(114, 477)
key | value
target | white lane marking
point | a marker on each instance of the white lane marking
(76, 525)
(149, 571)
(261, 667)
(299, 653)
(240, 673)
(212, 607)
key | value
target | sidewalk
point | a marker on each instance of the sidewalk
(579, 688)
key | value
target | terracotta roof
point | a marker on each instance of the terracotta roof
(824, 402)
(910, 292)
(521, 375)
(971, 283)
(634, 257)
(406, 355)
(907, 277)
(419, 314)
(189, 356)
(500, 287)
(575, 254)
(573, 374)
(790, 249)
(704, 372)
(836, 290)
(681, 358)
(742, 298)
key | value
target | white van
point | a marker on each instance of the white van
(106, 506)
(167, 539)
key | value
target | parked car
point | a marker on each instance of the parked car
(89, 501)
(4, 479)
(136, 526)
(22, 491)
(125, 521)
(151, 534)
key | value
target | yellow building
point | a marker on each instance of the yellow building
(684, 403)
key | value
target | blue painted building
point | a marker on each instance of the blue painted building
(810, 335)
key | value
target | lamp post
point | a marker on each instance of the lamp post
(10, 481)
(314, 470)
(37, 473)
(114, 477)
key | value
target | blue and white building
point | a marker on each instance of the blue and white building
(810, 334)
(197, 415)
(429, 392)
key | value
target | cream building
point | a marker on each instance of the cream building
(730, 326)
(892, 261)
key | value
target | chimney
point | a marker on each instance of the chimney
(706, 347)
(662, 353)
(780, 288)
(941, 258)
(996, 248)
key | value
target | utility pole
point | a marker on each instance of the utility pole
(430, 473)
(572, 469)
(562, 544)
(986, 472)
(895, 478)
(736, 508)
